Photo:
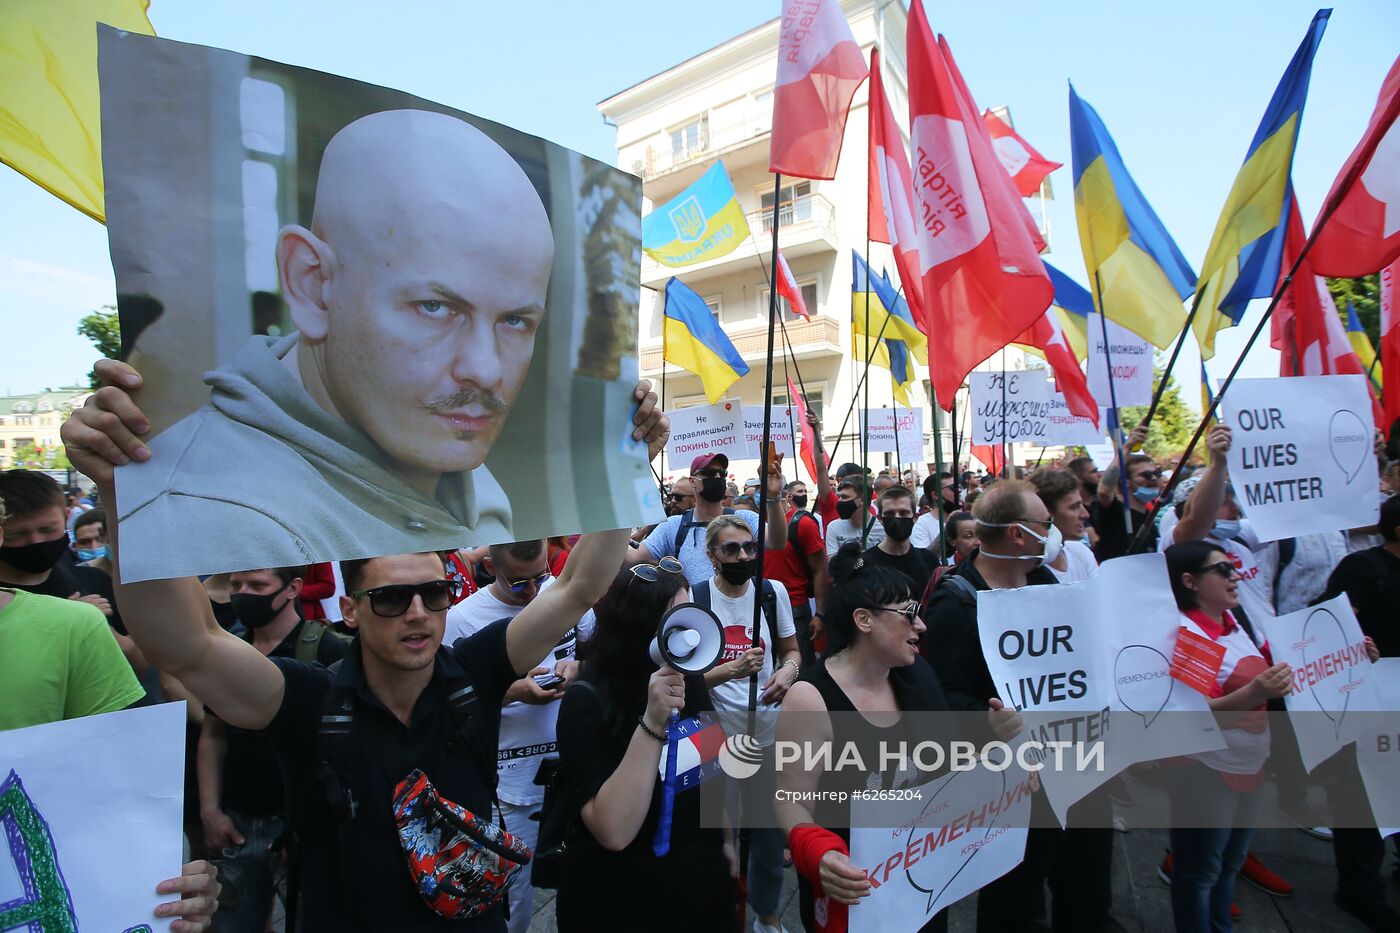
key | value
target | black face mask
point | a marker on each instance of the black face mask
(223, 614)
(256, 611)
(741, 571)
(713, 488)
(846, 508)
(37, 557)
(799, 502)
(898, 528)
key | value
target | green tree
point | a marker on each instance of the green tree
(28, 456)
(1365, 297)
(1172, 424)
(104, 330)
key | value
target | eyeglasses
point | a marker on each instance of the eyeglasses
(681, 496)
(393, 600)
(1225, 568)
(519, 586)
(652, 572)
(1151, 474)
(910, 612)
(733, 549)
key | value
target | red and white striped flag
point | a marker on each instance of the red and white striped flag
(787, 288)
(979, 254)
(1048, 337)
(890, 213)
(1027, 167)
(819, 68)
(1362, 236)
(808, 449)
(1390, 344)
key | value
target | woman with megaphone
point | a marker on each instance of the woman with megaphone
(613, 726)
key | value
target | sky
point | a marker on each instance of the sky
(1180, 86)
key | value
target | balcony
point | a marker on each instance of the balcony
(805, 226)
(818, 337)
(663, 157)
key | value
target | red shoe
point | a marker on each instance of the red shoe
(1164, 871)
(1262, 878)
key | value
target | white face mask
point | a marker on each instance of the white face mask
(1054, 543)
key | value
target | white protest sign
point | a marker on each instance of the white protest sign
(1070, 650)
(1302, 458)
(1331, 675)
(1034, 412)
(910, 443)
(1378, 749)
(706, 429)
(1132, 365)
(968, 830)
(782, 421)
(93, 810)
(1102, 454)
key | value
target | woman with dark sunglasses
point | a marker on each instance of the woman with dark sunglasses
(1216, 788)
(873, 667)
(612, 727)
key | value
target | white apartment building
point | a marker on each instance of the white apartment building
(672, 127)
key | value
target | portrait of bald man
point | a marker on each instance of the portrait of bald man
(416, 294)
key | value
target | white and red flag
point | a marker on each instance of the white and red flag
(787, 288)
(1048, 337)
(808, 449)
(819, 68)
(1027, 167)
(979, 253)
(890, 211)
(1362, 235)
(1390, 345)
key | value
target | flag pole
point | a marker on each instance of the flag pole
(898, 458)
(792, 426)
(855, 393)
(938, 467)
(1113, 423)
(866, 525)
(1176, 351)
(660, 479)
(1005, 441)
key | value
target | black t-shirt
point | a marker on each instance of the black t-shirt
(68, 577)
(1371, 580)
(252, 780)
(918, 565)
(355, 875)
(1113, 540)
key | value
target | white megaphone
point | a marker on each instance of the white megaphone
(690, 639)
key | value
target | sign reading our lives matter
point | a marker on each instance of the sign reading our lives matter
(909, 444)
(966, 830)
(1132, 365)
(1034, 412)
(1302, 457)
(1332, 676)
(1082, 670)
(706, 429)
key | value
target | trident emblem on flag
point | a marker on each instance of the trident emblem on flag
(689, 219)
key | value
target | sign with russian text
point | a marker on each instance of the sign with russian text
(1022, 407)
(781, 424)
(1302, 459)
(1332, 675)
(880, 423)
(1132, 365)
(706, 429)
(961, 833)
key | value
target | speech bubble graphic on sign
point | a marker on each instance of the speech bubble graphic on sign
(934, 878)
(1142, 675)
(1349, 442)
(1323, 633)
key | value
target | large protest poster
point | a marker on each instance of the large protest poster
(1378, 748)
(92, 810)
(877, 425)
(1034, 412)
(964, 831)
(1332, 676)
(781, 425)
(706, 429)
(368, 323)
(1302, 458)
(1074, 661)
(1132, 365)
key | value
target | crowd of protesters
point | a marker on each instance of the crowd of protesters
(325, 701)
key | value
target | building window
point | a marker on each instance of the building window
(24, 420)
(813, 396)
(714, 304)
(809, 298)
(794, 205)
(691, 139)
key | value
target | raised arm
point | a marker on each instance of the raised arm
(1203, 506)
(170, 620)
(775, 535)
(1108, 480)
(823, 476)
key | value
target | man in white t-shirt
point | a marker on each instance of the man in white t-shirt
(531, 705)
(1060, 490)
(730, 595)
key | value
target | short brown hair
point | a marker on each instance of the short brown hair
(1052, 485)
(896, 492)
(28, 491)
(1001, 505)
(517, 550)
(352, 572)
(91, 517)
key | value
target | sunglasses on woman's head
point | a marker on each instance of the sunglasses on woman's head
(393, 600)
(1225, 568)
(652, 572)
(518, 586)
(733, 549)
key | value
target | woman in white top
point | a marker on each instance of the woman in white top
(1216, 788)
(1060, 492)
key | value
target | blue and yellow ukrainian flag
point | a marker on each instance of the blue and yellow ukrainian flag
(885, 303)
(1246, 249)
(1364, 351)
(1073, 304)
(691, 339)
(703, 222)
(1142, 278)
(901, 363)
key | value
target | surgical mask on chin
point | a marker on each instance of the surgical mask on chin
(1226, 528)
(1145, 494)
(92, 553)
(1054, 543)
(713, 488)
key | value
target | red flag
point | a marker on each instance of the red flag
(890, 214)
(1363, 234)
(819, 69)
(979, 256)
(787, 288)
(807, 451)
(1047, 336)
(991, 456)
(1027, 167)
(1390, 345)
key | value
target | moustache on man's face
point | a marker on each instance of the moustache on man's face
(467, 396)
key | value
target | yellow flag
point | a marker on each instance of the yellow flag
(50, 116)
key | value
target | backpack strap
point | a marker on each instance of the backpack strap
(688, 522)
(700, 595)
(965, 591)
(308, 646)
